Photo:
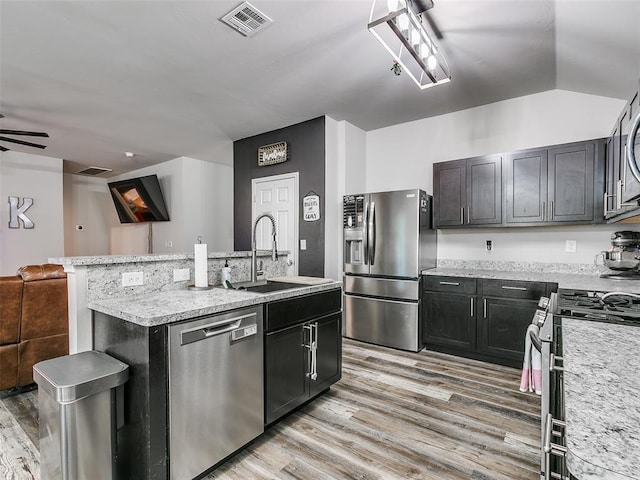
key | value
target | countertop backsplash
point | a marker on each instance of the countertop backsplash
(104, 274)
(510, 266)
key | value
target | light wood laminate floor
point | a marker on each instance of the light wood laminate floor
(394, 415)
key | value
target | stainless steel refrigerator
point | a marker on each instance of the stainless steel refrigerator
(388, 240)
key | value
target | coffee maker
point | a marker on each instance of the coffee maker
(624, 256)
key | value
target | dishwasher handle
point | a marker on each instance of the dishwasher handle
(214, 329)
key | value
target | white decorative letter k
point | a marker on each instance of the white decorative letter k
(16, 212)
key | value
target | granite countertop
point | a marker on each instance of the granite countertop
(573, 281)
(172, 306)
(602, 388)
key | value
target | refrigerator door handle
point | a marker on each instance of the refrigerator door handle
(366, 233)
(372, 234)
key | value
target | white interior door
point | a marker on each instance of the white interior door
(277, 195)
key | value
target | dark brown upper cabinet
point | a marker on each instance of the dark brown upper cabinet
(526, 186)
(556, 185)
(468, 192)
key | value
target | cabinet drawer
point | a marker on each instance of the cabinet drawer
(513, 289)
(449, 284)
(282, 313)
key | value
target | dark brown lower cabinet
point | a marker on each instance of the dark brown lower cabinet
(485, 319)
(451, 320)
(502, 327)
(303, 351)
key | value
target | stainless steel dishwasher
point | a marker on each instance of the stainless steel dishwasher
(215, 389)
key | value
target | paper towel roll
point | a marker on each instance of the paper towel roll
(202, 279)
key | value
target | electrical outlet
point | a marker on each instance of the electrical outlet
(570, 246)
(168, 244)
(303, 244)
(489, 245)
(180, 274)
(132, 279)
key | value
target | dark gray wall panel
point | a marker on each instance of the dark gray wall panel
(305, 142)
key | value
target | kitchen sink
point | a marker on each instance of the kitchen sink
(268, 286)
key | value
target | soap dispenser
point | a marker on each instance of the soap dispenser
(225, 276)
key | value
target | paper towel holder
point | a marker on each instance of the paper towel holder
(208, 286)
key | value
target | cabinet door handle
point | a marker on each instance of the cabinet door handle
(606, 203)
(484, 308)
(455, 284)
(507, 287)
(469, 215)
(312, 372)
(472, 299)
(544, 211)
(461, 215)
(618, 196)
(551, 212)
(307, 328)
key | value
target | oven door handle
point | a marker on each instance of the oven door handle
(535, 340)
(552, 363)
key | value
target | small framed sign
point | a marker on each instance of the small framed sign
(311, 207)
(272, 154)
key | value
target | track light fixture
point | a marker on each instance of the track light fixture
(397, 24)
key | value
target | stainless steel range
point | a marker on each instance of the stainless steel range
(612, 307)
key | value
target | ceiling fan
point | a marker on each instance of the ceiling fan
(20, 142)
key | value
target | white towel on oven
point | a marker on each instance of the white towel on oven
(531, 378)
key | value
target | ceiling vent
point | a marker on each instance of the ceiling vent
(246, 19)
(93, 171)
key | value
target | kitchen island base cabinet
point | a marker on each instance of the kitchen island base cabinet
(303, 351)
(143, 442)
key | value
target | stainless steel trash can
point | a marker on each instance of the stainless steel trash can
(78, 402)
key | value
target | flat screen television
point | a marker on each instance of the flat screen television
(139, 200)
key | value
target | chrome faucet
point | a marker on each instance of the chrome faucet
(274, 248)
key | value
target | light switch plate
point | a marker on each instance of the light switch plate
(303, 244)
(132, 279)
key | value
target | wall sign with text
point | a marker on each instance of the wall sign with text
(272, 154)
(311, 208)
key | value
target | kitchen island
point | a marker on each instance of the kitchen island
(143, 332)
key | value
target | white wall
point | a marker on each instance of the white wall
(207, 204)
(345, 163)
(89, 215)
(200, 203)
(40, 178)
(402, 156)
(527, 244)
(198, 196)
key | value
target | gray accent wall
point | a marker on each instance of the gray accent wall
(306, 145)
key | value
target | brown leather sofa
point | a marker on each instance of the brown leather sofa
(33, 321)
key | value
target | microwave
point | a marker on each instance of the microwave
(629, 144)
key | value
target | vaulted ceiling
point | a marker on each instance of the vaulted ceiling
(166, 78)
